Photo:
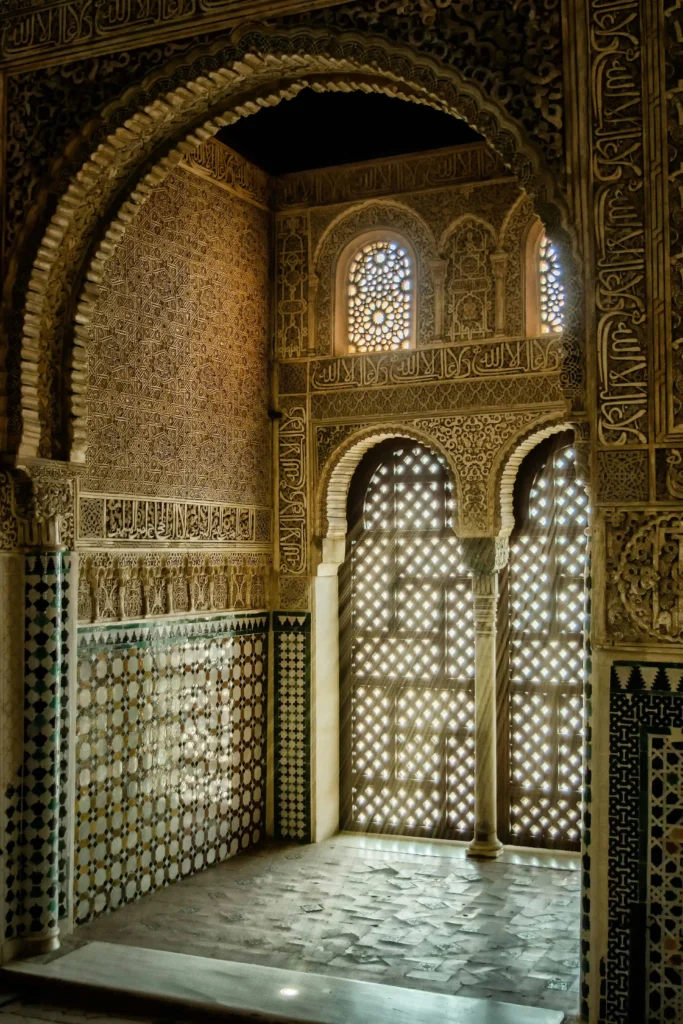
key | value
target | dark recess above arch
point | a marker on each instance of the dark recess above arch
(326, 129)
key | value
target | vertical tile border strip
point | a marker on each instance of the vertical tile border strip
(65, 792)
(40, 796)
(292, 634)
(646, 698)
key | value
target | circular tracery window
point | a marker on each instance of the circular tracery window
(379, 298)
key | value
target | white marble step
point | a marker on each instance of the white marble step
(262, 993)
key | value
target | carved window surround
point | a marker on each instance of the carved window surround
(341, 297)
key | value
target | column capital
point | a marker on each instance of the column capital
(499, 263)
(484, 556)
(46, 496)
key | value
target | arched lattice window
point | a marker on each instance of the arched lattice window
(379, 297)
(550, 287)
(547, 616)
(407, 651)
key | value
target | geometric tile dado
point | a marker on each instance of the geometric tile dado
(170, 753)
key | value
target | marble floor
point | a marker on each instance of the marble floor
(403, 913)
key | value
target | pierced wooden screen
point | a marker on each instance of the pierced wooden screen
(547, 563)
(407, 653)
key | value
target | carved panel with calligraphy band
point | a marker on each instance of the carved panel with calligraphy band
(125, 520)
(292, 491)
(418, 171)
(453, 362)
(618, 169)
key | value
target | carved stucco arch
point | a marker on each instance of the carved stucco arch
(336, 474)
(148, 145)
(508, 467)
(387, 215)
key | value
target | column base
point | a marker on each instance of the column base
(488, 848)
(38, 946)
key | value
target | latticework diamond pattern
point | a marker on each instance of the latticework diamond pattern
(409, 656)
(547, 563)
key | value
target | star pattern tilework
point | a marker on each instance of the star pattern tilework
(292, 726)
(170, 754)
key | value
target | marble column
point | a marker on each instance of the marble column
(485, 557)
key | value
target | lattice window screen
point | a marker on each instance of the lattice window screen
(547, 563)
(407, 656)
(379, 290)
(551, 289)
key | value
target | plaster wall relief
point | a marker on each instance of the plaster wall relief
(292, 271)
(177, 366)
(671, 417)
(470, 298)
(643, 562)
(54, 273)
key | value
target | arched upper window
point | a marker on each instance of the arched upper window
(545, 294)
(550, 288)
(379, 296)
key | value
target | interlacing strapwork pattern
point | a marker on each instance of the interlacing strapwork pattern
(379, 298)
(409, 656)
(551, 289)
(665, 868)
(547, 564)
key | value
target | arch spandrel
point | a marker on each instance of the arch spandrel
(483, 452)
(176, 124)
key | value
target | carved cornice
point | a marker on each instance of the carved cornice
(229, 170)
(388, 177)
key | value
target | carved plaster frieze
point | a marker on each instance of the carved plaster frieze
(539, 391)
(230, 170)
(482, 360)
(144, 520)
(407, 174)
(117, 585)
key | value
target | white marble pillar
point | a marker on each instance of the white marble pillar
(485, 556)
(485, 594)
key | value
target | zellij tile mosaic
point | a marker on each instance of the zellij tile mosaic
(170, 754)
